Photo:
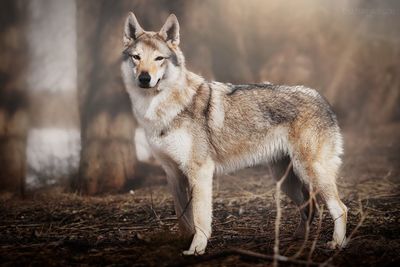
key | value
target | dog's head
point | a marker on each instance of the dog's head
(151, 57)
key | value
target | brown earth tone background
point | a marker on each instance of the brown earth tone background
(66, 130)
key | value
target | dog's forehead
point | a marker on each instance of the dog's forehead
(151, 41)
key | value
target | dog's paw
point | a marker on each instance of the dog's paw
(198, 246)
(193, 252)
(337, 245)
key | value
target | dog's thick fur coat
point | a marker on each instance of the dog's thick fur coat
(197, 129)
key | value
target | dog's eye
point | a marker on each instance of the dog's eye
(159, 58)
(137, 57)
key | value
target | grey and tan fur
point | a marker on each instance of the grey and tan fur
(197, 129)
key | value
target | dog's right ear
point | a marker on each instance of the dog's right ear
(132, 29)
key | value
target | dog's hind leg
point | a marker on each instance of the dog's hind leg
(325, 184)
(297, 191)
(320, 169)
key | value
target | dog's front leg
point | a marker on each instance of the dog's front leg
(200, 182)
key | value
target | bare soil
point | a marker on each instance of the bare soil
(139, 228)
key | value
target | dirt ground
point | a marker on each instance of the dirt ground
(140, 229)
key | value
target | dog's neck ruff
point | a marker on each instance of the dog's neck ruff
(156, 110)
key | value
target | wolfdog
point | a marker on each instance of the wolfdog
(197, 129)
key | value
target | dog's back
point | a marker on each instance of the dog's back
(257, 123)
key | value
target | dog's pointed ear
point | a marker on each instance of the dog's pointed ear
(132, 29)
(170, 31)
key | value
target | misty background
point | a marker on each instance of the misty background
(65, 118)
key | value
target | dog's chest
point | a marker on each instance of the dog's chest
(176, 143)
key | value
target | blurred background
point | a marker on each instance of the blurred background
(65, 118)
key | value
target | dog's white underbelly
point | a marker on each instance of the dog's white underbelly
(178, 145)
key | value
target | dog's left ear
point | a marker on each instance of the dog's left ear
(170, 31)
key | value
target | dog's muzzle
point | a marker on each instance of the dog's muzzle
(144, 80)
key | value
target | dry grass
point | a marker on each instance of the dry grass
(56, 228)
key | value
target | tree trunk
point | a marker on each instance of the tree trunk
(13, 103)
(107, 125)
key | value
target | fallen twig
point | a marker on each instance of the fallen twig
(244, 253)
(314, 244)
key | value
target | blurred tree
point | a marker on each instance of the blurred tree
(13, 103)
(107, 125)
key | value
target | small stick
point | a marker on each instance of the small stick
(245, 253)
(314, 244)
(279, 215)
(310, 202)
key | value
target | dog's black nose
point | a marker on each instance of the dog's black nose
(144, 79)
